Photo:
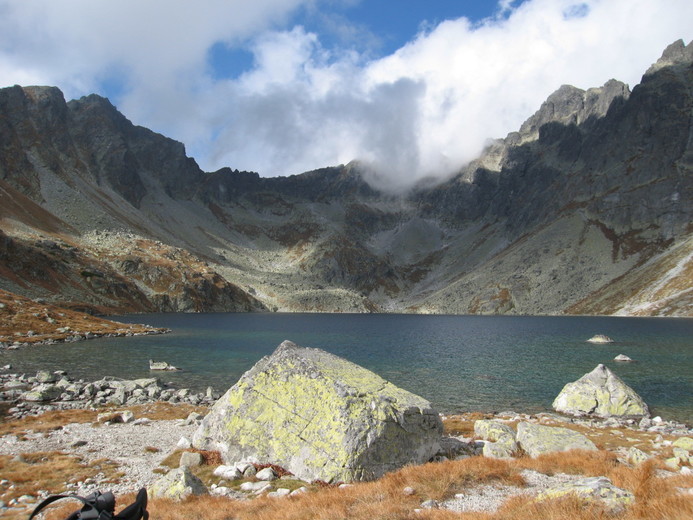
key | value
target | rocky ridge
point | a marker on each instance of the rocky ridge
(586, 209)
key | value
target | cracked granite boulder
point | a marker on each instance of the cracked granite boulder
(320, 417)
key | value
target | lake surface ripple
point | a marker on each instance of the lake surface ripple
(459, 363)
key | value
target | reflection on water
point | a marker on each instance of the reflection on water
(460, 363)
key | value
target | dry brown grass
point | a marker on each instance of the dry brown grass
(656, 498)
(47, 422)
(575, 462)
(21, 315)
(462, 424)
(163, 411)
(56, 419)
(29, 472)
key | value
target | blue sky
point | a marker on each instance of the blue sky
(375, 28)
(411, 87)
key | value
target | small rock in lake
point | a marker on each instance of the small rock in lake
(161, 365)
(600, 338)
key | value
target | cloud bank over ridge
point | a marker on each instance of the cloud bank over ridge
(424, 110)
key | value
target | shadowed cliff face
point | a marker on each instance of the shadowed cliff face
(587, 208)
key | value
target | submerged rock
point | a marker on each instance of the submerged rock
(320, 417)
(600, 393)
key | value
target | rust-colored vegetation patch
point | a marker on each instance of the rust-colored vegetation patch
(30, 472)
(27, 321)
(56, 419)
(661, 288)
(463, 425)
(47, 422)
(656, 498)
(164, 411)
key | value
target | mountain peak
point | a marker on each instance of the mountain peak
(676, 54)
(572, 105)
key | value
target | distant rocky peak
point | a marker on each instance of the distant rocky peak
(571, 105)
(676, 54)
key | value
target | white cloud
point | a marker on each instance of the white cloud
(426, 109)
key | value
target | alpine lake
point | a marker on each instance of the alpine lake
(459, 363)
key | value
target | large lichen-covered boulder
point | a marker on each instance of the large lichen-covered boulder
(321, 417)
(601, 393)
(537, 439)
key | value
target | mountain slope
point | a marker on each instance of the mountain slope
(586, 209)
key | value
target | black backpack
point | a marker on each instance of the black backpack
(101, 506)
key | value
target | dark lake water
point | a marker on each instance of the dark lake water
(459, 363)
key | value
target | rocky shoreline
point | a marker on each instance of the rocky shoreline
(109, 427)
(65, 335)
(138, 444)
(48, 391)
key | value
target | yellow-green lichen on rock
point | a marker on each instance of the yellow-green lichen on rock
(178, 484)
(592, 489)
(321, 417)
(537, 439)
(600, 393)
(500, 438)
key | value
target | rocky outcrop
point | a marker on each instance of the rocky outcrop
(601, 393)
(320, 417)
(536, 439)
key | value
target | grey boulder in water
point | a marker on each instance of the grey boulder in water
(600, 393)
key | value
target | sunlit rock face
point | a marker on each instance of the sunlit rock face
(601, 393)
(321, 417)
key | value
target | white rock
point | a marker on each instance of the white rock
(600, 339)
(266, 474)
(184, 443)
(228, 472)
(281, 492)
(255, 487)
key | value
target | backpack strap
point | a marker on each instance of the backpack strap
(137, 510)
(54, 498)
